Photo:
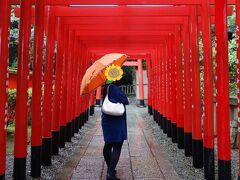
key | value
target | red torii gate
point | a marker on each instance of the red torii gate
(156, 55)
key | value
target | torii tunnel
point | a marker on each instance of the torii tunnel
(165, 33)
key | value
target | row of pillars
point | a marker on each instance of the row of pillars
(174, 90)
(58, 111)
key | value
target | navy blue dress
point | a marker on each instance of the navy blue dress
(115, 127)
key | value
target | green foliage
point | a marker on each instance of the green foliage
(232, 53)
(127, 76)
(13, 44)
(12, 95)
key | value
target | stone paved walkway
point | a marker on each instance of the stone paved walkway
(141, 156)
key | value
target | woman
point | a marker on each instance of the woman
(114, 130)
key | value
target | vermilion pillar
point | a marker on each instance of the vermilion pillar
(140, 83)
(48, 90)
(173, 90)
(162, 88)
(63, 111)
(187, 91)
(20, 141)
(75, 128)
(36, 136)
(98, 96)
(195, 66)
(222, 92)
(160, 111)
(208, 92)
(68, 86)
(179, 88)
(149, 76)
(153, 59)
(157, 87)
(238, 75)
(165, 90)
(78, 83)
(169, 88)
(92, 103)
(57, 89)
(4, 56)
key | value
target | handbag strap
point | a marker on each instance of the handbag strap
(108, 88)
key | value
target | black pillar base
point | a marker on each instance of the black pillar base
(46, 151)
(197, 153)
(180, 137)
(141, 103)
(209, 173)
(82, 119)
(169, 128)
(76, 126)
(154, 115)
(79, 121)
(98, 102)
(36, 161)
(165, 125)
(159, 119)
(150, 111)
(2, 177)
(91, 110)
(73, 128)
(224, 170)
(55, 142)
(69, 132)
(174, 132)
(62, 136)
(19, 170)
(188, 144)
(87, 114)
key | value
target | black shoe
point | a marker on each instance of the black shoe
(112, 177)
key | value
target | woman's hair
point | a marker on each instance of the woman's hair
(104, 89)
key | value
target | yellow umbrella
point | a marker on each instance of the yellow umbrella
(94, 76)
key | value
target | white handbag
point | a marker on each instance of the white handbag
(113, 109)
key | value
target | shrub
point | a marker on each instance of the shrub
(11, 110)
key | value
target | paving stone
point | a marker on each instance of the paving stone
(123, 172)
(140, 158)
(145, 167)
(89, 168)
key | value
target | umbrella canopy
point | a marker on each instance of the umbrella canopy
(94, 76)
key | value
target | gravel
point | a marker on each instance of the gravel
(58, 162)
(182, 164)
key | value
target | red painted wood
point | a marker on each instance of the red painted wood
(20, 141)
(122, 2)
(36, 136)
(48, 77)
(222, 83)
(187, 83)
(58, 78)
(140, 80)
(179, 78)
(69, 76)
(194, 54)
(208, 77)
(64, 78)
(4, 55)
